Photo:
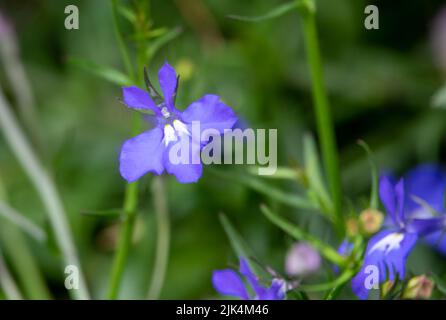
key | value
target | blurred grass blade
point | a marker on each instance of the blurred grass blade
(7, 282)
(328, 252)
(158, 43)
(110, 213)
(439, 98)
(313, 171)
(238, 244)
(374, 175)
(106, 73)
(22, 222)
(273, 13)
(281, 173)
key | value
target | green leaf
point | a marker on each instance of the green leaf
(127, 13)
(290, 199)
(109, 213)
(294, 231)
(313, 171)
(273, 13)
(239, 245)
(103, 72)
(374, 175)
(159, 42)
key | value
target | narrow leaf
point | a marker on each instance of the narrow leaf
(159, 42)
(374, 175)
(313, 171)
(294, 231)
(273, 13)
(103, 72)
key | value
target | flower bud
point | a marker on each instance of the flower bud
(370, 221)
(302, 259)
(419, 287)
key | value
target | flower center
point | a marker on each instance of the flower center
(173, 131)
(388, 243)
(166, 114)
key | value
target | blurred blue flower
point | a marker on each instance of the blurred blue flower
(228, 282)
(406, 202)
(149, 151)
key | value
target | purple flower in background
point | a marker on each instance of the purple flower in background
(388, 250)
(150, 151)
(228, 282)
(302, 259)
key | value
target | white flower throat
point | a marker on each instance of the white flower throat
(173, 131)
(388, 243)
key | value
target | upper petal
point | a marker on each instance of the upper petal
(388, 196)
(227, 282)
(427, 182)
(142, 154)
(168, 82)
(275, 292)
(211, 114)
(137, 98)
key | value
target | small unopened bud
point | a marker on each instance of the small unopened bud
(302, 259)
(386, 287)
(419, 287)
(370, 221)
(352, 227)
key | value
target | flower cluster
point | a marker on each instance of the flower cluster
(415, 208)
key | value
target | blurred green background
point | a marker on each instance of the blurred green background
(380, 83)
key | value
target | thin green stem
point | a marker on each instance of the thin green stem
(131, 189)
(322, 109)
(163, 239)
(125, 239)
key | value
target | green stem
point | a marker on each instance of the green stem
(322, 109)
(163, 239)
(125, 239)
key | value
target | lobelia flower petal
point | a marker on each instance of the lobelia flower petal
(211, 113)
(142, 154)
(227, 282)
(437, 240)
(136, 98)
(388, 251)
(275, 292)
(186, 171)
(168, 81)
(427, 182)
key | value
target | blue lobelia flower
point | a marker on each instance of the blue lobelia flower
(388, 250)
(228, 282)
(151, 150)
